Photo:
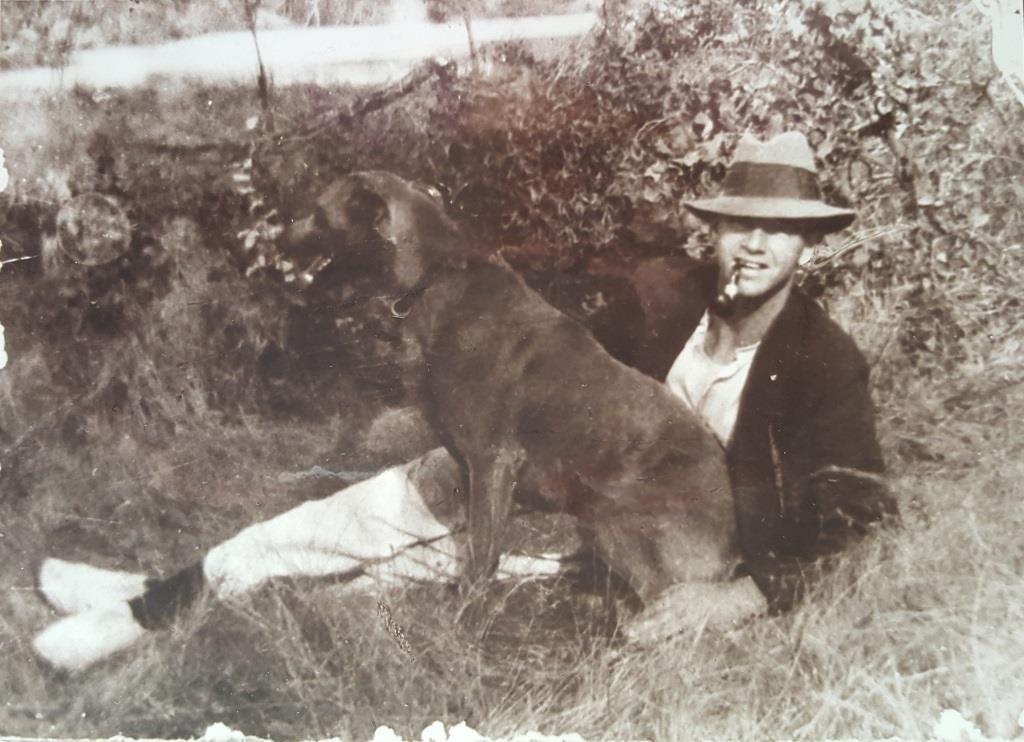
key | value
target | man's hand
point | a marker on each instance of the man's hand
(694, 606)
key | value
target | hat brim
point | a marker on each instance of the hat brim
(823, 217)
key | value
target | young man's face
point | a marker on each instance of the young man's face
(767, 252)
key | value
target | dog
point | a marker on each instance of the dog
(529, 405)
(527, 401)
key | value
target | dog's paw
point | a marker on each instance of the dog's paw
(75, 642)
(72, 587)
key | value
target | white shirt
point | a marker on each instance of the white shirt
(710, 389)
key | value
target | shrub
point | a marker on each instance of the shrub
(579, 162)
(584, 160)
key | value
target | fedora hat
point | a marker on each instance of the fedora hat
(776, 179)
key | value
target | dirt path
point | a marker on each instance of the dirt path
(357, 55)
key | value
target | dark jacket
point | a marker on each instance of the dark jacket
(804, 458)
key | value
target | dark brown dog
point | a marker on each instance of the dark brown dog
(527, 401)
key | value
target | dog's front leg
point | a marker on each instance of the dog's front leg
(491, 487)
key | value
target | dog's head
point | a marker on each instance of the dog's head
(375, 223)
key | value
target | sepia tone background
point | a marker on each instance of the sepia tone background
(168, 381)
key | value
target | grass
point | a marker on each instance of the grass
(920, 619)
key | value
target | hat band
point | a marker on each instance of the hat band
(769, 180)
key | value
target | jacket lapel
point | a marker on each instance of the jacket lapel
(757, 449)
(771, 372)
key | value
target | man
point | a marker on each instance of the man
(781, 386)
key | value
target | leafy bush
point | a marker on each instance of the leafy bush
(194, 354)
(583, 161)
(577, 163)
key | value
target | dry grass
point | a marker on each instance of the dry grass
(918, 620)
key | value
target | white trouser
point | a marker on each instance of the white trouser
(382, 526)
(398, 526)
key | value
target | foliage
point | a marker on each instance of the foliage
(152, 402)
(606, 146)
(584, 160)
(579, 162)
